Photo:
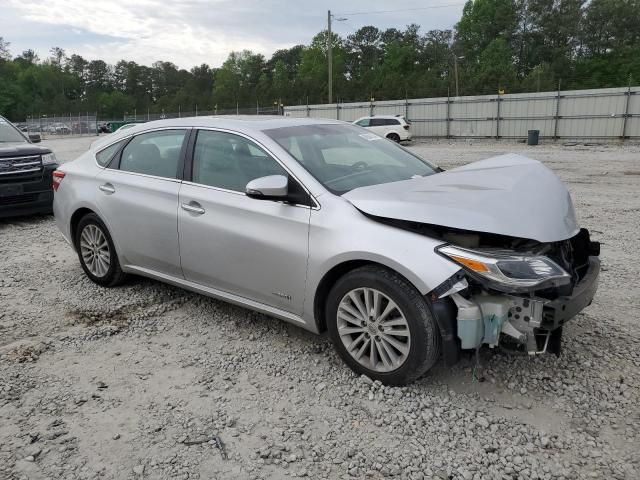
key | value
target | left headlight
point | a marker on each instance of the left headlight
(507, 270)
(49, 158)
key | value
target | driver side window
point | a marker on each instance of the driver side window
(363, 123)
(229, 161)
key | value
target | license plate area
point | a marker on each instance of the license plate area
(10, 190)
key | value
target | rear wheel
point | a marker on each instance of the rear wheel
(394, 136)
(97, 252)
(381, 326)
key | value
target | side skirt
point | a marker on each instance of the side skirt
(222, 295)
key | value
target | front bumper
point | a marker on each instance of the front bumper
(559, 311)
(537, 322)
(532, 322)
(29, 197)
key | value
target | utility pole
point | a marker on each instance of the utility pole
(331, 17)
(455, 68)
(329, 55)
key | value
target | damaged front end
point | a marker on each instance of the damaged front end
(508, 222)
(514, 292)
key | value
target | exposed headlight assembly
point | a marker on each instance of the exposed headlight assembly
(506, 270)
(49, 158)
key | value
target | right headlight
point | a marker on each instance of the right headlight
(507, 270)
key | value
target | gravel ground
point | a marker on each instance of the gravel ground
(141, 380)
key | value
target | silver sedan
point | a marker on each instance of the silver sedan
(331, 227)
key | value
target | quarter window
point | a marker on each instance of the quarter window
(363, 123)
(229, 161)
(103, 157)
(154, 153)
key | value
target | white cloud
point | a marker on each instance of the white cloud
(191, 32)
(146, 31)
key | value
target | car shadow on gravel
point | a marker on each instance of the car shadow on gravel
(24, 220)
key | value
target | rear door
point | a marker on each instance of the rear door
(256, 249)
(377, 125)
(138, 198)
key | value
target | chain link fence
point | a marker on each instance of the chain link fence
(58, 126)
(54, 126)
(147, 117)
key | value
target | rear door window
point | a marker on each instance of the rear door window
(154, 153)
(103, 157)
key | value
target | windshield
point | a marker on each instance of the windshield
(344, 157)
(9, 134)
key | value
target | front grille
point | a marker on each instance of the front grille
(16, 199)
(14, 169)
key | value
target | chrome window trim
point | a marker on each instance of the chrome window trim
(316, 205)
(174, 180)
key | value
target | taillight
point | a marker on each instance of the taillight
(57, 179)
(406, 127)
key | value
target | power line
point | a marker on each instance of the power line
(373, 12)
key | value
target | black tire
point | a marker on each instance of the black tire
(394, 136)
(114, 275)
(425, 343)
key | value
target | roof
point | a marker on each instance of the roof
(382, 116)
(239, 122)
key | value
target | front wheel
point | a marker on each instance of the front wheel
(382, 326)
(97, 252)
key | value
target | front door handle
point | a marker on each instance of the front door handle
(107, 188)
(193, 207)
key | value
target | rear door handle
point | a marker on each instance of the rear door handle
(193, 207)
(107, 188)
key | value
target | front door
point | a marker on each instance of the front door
(254, 248)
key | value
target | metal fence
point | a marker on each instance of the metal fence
(607, 113)
(58, 126)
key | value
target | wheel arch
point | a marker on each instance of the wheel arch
(75, 220)
(336, 272)
(443, 310)
(392, 133)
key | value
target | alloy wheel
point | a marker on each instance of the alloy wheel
(373, 329)
(94, 249)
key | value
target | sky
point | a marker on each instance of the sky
(192, 32)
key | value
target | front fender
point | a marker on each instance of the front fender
(339, 233)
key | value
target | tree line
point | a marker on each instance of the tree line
(498, 45)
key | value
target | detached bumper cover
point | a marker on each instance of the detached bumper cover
(557, 312)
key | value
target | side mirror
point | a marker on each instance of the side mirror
(35, 137)
(272, 187)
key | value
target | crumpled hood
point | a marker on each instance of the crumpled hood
(507, 195)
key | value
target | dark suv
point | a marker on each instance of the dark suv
(25, 174)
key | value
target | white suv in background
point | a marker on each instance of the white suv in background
(394, 128)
